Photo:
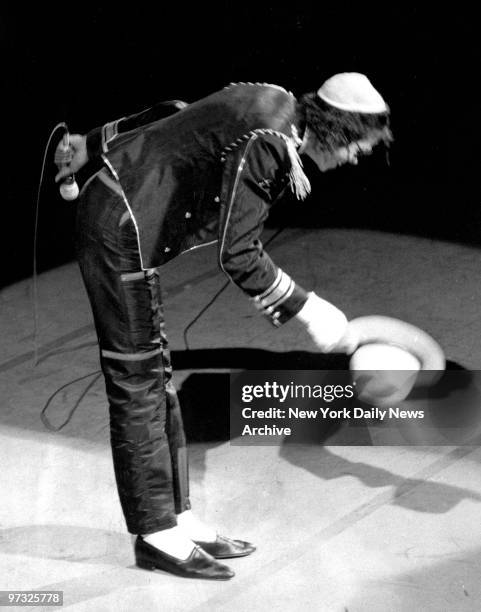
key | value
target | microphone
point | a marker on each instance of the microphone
(68, 189)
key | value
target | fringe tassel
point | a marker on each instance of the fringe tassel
(300, 185)
(299, 182)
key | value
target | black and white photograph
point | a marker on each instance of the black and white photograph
(240, 308)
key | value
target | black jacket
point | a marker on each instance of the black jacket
(210, 173)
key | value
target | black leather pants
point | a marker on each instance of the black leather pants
(147, 434)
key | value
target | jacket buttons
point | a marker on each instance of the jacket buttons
(167, 249)
(216, 199)
(188, 215)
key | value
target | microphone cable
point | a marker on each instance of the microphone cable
(43, 414)
(97, 373)
(35, 242)
(216, 296)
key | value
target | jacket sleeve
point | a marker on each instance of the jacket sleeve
(255, 173)
(99, 139)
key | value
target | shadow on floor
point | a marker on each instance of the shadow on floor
(205, 396)
(205, 401)
(256, 359)
(454, 403)
(417, 494)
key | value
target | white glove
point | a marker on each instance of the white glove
(326, 324)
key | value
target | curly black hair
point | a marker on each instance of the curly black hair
(335, 128)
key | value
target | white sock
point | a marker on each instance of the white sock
(172, 541)
(194, 528)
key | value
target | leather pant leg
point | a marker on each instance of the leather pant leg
(147, 435)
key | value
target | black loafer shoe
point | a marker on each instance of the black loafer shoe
(199, 564)
(225, 548)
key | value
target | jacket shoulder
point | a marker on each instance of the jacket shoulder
(259, 86)
(263, 104)
(268, 97)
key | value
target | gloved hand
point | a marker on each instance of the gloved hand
(69, 162)
(327, 326)
(349, 342)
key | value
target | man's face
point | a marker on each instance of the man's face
(326, 160)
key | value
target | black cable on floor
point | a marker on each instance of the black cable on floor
(43, 415)
(217, 295)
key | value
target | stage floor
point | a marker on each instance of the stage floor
(342, 525)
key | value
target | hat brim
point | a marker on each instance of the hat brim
(378, 328)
